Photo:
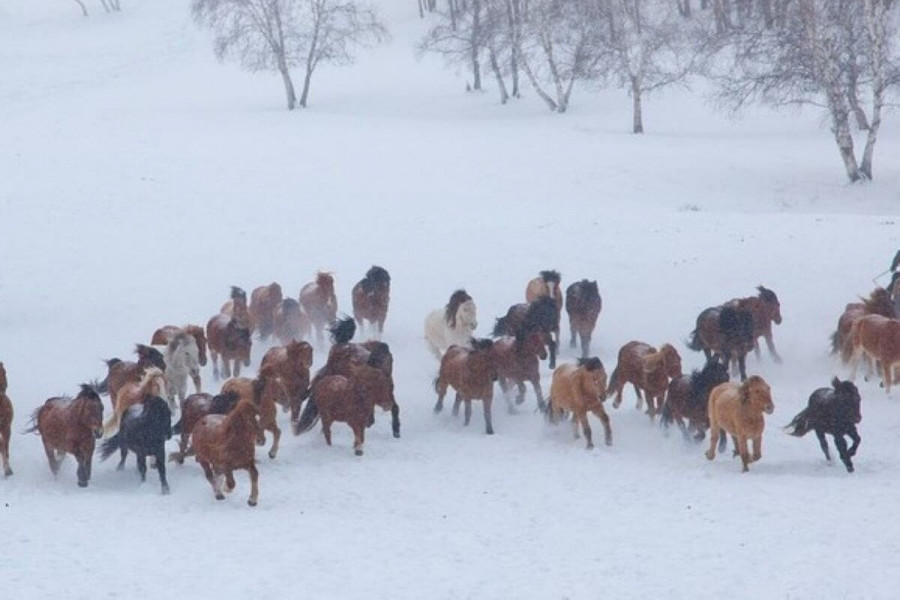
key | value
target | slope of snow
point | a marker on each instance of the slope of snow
(141, 179)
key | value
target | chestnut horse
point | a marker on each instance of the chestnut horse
(688, 398)
(231, 340)
(453, 325)
(267, 391)
(70, 425)
(194, 408)
(371, 296)
(541, 316)
(237, 308)
(878, 303)
(122, 372)
(765, 310)
(878, 339)
(264, 301)
(164, 335)
(472, 372)
(725, 331)
(580, 389)
(6, 417)
(738, 410)
(648, 370)
(153, 383)
(583, 305)
(320, 304)
(291, 363)
(291, 323)
(225, 443)
(547, 284)
(833, 410)
(518, 360)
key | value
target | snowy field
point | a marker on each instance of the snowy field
(139, 179)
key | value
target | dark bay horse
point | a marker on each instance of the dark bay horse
(6, 417)
(471, 372)
(144, 429)
(833, 410)
(540, 316)
(547, 283)
(583, 305)
(688, 398)
(371, 296)
(724, 331)
(765, 310)
(518, 361)
(194, 408)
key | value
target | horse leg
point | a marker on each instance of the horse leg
(237, 367)
(229, 481)
(359, 438)
(195, 377)
(737, 446)
(123, 454)
(771, 345)
(456, 404)
(586, 428)
(713, 441)
(842, 451)
(604, 420)
(886, 368)
(745, 454)
(520, 397)
(742, 365)
(51, 457)
(488, 423)
(442, 391)
(215, 361)
(539, 394)
(161, 467)
(212, 479)
(856, 440)
(468, 412)
(575, 433)
(395, 419)
(326, 429)
(4, 450)
(572, 342)
(82, 471)
(142, 465)
(640, 399)
(254, 485)
(823, 443)
(723, 440)
(585, 344)
(757, 447)
(552, 352)
(276, 436)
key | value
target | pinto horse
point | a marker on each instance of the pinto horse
(6, 417)
(580, 389)
(725, 331)
(878, 303)
(688, 398)
(833, 410)
(547, 284)
(194, 408)
(471, 372)
(144, 430)
(765, 310)
(70, 425)
(738, 410)
(648, 370)
(225, 443)
(122, 372)
(583, 305)
(320, 303)
(518, 360)
(165, 334)
(541, 316)
(878, 339)
(371, 296)
(267, 391)
(237, 308)
(291, 323)
(231, 340)
(291, 363)
(153, 383)
(453, 325)
(264, 301)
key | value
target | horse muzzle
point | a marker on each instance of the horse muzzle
(769, 409)
(98, 433)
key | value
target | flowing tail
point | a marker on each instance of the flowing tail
(34, 426)
(102, 387)
(500, 327)
(665, 417)
(110, 446)
(308, 418)
(800, 424)
(613, 386)
(694, 342)
(176, 428)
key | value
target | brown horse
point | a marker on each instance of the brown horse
(878, 303)
(580, 389)
(352, 400)
(547, 284)
(194, 408)
(688, 399)
(878, 339)
(70, 425)
(648, 370)
(583, 304)
(291, 323)
(231, 340)
(267, 391)
(291, 363)
(371, 296)
(122, 372)
(471, 372)
(225, 443)
(264, 301)
(738, 410)
(153, 383)
(541, 316)
(765, 310)
(725, 331)
(518, 360)
(237, 308)
(320, 304)
(166, 333)
(6, 417)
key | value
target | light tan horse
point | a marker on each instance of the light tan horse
(878, 339)
(153, 383)
(738, 410)
(580, 389)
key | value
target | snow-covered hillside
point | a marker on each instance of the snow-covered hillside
(139, 179)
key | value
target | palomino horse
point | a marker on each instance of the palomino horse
(580, 389)
(688, 398)
(267, 391)
(518, 360)
(6, 417)
(371, 296)
(547, 284)
(231, 340)
(472, 372)
(164, 335)
(194, 408)
(291, 323)
(264, 301)
(833, 410)
(524, 319)
(122, 372)
(738, 410)
(765, 310)
(291, 363)
(583, 304)
(182, 361)
(878, 303)
(144, 430)
(453, 325)
(352, 400)
(648, 370)
(153, 383)
(70, 425)
(237, 308)
(225, 443)
(725, 331)
(878, 339)
(320, 304)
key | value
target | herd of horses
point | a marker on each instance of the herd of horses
(222, 430)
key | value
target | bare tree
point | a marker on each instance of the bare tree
(460, 37)
(84, 10)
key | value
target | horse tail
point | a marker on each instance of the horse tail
(176, 428)
(101, 387)
(694, 342)
(665, 417)
(308, 418)
(500, 327)
(435, 383)
(835, 343)
(613, 383)
(34, 423)
(800, 425)
(109, 447)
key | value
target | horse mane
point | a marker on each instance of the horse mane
(457, 298)
(550, 277)
(736, 323)
(703, 380)
(379, 355)
(879, 303)
(238, 293)
(239, 422)
(767, 295)
(289, 305)
(479, 344)
(590, 364)
(540, 315)
(342, 330)
(222, 404)
(325, 280)
(376, 276)
(744, 390)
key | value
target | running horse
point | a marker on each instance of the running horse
(453, 325)
(264, 301)
(371, 296)
(547, 283)
(540, 316)
(878, 303)
(583, 305)
(165, 334)
(224, 444)
(237, 308)
(648, 370)
(765, 310)
(876, 338)
(122, 372)
(291, 323)
(320, 303)
(471, 372)
(580, 389)
(518, 361)
(232, 341)
(727, 332)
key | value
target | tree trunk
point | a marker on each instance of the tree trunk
(637, 112)
(105, 5)
(475, 42)
(875, 12)
(289, 86)
(862, 121)
(452, 5)
(305, 93)
(840, 127)
(83, 7)
(512, 12)
(421, 9)
(504, 96)
(537, 86)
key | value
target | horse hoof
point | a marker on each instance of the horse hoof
(710, 456)
(358, 452)
(120, 467)
(490, 432)
(251, 502)
(8, 473)
(271, 454)
(220, 496)
(165, 491)
(590, 446)
(82, 484)
(397, 434)
(850, 468)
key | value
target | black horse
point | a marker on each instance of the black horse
(521, 320)
(144, 429)
(832, 410)
(688, 397)
(727, 332)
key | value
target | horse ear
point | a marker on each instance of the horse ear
(835, 382)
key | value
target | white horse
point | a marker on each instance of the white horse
(182, 360)
(452, 325)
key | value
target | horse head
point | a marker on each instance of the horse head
(770, 301)
(238, 295)
(532, 344)
(593, 377)
(90, 410)
(879, 303)
(325, 282)
(300, 352)
(150, 356)
(451, 310)
(467, 316)
(757, 393)
(200, 337)
(847, 398)
(673, 361)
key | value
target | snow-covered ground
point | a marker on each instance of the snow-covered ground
(139, 179)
